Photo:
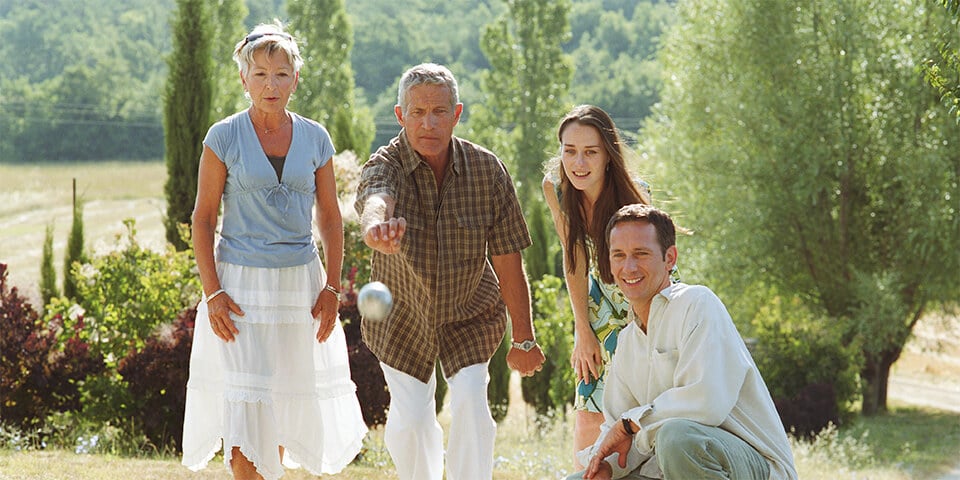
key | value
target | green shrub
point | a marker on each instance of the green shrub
(127, 293)
(795, 349)
(552, 389)
(118, 437)
(124, 299)
(442, 387)
(356, 254)
(498, 390)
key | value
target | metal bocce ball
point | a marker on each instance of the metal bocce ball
(374, 301)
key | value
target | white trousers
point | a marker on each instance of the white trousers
(414, 437)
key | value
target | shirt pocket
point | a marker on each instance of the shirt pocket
(469, 237)
(665, 366)
(416, 240)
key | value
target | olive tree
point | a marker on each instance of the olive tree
(805, 150)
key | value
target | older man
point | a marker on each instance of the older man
(432, 207)
(684, 399)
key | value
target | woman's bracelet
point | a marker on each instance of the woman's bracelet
(214, 294)
(332, 289)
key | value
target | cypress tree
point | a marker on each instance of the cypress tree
(74, 252)
(525, 88)
(186, 102)
(325, 92)
(48, 274)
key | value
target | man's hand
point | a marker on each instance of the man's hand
(385, 237)
(603, 472)
(616, 441)
(526, 363)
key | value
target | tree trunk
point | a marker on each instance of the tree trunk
(875, 376)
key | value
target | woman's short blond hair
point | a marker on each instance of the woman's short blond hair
(272, 38)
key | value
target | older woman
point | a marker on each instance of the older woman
(269, 374)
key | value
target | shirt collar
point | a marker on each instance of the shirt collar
(411, 159)
(665, 295)
(670, 292)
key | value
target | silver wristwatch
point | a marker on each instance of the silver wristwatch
(525, 345)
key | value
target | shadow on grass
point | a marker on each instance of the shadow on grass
(905, 443)
(921, 441)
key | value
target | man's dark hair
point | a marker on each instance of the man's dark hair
(638, 212)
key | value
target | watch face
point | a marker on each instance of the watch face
(525, 345)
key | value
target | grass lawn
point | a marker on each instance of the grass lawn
(522, 453)
(908, 443)
(61, 464)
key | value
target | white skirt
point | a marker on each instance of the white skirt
(275, 385)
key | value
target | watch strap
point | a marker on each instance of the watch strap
(525, 345)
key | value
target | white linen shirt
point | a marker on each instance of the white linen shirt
(692, 364)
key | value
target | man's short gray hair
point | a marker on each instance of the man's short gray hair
(427, 74)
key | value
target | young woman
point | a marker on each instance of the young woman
(584, 187)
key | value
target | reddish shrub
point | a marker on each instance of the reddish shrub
(157, 377)
(41, 365)
(364, 369)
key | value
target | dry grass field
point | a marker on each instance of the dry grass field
(910, 443)
(34, 196)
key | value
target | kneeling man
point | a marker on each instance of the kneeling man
(684, 399)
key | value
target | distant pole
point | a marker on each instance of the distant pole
(74, 194)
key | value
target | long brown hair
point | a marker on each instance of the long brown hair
(619, 189)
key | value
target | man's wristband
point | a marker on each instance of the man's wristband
(628, 426)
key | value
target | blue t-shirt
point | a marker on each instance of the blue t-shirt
(266, 222)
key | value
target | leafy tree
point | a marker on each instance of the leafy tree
(391, 37)
(614, 58)
(187, 98)
(943, 70)
(814, 163)
(64, 107)
(498, 390)
(263, 11)
(525, 91)
(325, 91)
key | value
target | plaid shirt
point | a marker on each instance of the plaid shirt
(447, 302)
